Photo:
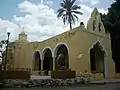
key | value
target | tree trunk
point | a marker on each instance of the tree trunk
(70, 22)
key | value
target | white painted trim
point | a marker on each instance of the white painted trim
(39, 53)
(93, 45)
(58, 45)
(44, 50)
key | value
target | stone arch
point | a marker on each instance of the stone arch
(36, 61)
(101, 47)
(98, 61)
(58, 45)
(61, 48)
(44, 50)
(47, 59)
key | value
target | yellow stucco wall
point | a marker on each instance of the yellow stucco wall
(79, 41)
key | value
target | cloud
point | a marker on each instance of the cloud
(87, 13)
(82, 1)
(40, 22)
(49, 2)
(101, 10)
(7, 26)
(92, 2)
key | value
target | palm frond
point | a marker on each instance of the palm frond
(1, 51)
(72, 2)
(68, 12)
(64, 17)
(72, 19)
(76, 17)
(1, 45)
(63, 5)
(75, 7)
(77, 12)
(60, 12)
(68, 1)
(64, 20)
(65, 1)
(3, 41)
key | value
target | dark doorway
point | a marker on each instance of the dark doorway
(48, 60)
(37, 61)
(97, 59)
(92, 60)
(117, 66)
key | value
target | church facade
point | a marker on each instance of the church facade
(84, 49)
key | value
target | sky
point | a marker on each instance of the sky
(39, 17)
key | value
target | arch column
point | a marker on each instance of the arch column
(42, 64)
(53, 60)
(106, 66)
(53, 63)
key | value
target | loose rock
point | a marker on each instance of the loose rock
(45, 82)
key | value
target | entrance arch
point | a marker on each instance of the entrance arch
(36, 61)
(62, 49)
(97, 59)
(47, 59)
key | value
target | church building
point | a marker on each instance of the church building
(84, 50)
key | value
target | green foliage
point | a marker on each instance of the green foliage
(111, 22)
(2, 48)
(68, 12)
(113, 14)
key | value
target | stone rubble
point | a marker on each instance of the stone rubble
(45, 82)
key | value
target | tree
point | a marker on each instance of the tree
(111, 22)
(68, 12)
(2, 50)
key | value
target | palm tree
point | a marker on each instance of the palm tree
(68, 12)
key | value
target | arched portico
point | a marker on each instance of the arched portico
(98, 61)
(47, 59)
(36, 61)
(64, 50)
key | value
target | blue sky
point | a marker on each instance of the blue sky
(8, 8)
(39, 20)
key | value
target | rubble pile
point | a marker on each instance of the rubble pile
(45, 82)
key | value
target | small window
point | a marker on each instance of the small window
(94, 25)
(99, 27)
